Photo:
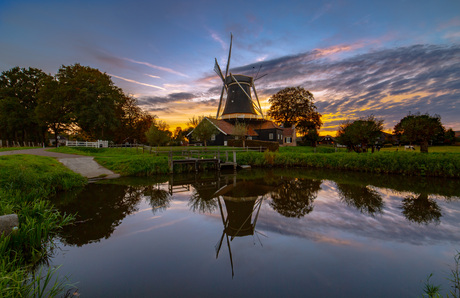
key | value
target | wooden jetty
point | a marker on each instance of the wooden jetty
(194, 158)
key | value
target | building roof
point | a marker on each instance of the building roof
(288, 132)
(227, 128)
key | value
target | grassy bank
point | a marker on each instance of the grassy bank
(26, 182)
(132, 162)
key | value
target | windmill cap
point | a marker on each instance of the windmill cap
(239, 78)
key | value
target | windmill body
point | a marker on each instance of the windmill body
(238, 104)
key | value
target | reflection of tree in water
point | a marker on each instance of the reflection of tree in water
(201, 205)
(363, 198)
(421, 209)
(294, 198)
(100, 209)
(159, 199)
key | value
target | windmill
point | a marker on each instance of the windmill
(239, 103)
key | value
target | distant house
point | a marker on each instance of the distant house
(327, 140)
(263, 130)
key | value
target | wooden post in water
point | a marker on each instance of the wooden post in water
(170, 163)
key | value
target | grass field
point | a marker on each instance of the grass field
(26, 183)
(441, 161)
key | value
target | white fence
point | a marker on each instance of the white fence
(98, 144)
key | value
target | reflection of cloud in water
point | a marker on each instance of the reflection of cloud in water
(344, 225)
(163, 225)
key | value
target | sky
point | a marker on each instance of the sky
(358, 58)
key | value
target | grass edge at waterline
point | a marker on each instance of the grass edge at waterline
(133, 162)
(26, 182)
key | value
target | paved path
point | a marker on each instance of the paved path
(83, 165)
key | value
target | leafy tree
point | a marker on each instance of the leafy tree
(93, 98)
(311, 137)
(53, 110)
(294, 106)
(158, 134)
(449, 137)
(357, 134)
(419, 128)
(18, 99)
(133, 122)
(178, 136)
(204, 130)
(240, 130)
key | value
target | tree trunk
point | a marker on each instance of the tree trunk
(424, 146)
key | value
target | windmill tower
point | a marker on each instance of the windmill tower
(239, 103)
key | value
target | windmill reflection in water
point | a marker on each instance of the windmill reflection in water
(241, 219)
(239, 202)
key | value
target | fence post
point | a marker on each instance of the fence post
(234, 160)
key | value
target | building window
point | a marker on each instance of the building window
(237, 137)
(213, 137)
(270, 136)
(288, 140)
(225, 143)
(249, 138)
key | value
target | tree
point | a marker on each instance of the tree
(449, 137)
(204, 130)
(19, 88)
(158, 134)
(133, 122)
(357, 134)
(311, 137)
(419, 128)
(53, 110)
(93, 98)
(294, 106)
(240, 130)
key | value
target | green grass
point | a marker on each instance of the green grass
(26, 183)
(441, 162)
(433, 149)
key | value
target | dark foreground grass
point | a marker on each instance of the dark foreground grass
(26, 182)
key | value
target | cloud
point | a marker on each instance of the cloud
(136, 82)
(173, 97)
(152, 76)
(388, 83)
(156, 67)
(217, 38)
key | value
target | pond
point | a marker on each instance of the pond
(267, 233)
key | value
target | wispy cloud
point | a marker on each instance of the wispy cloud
(152, 76)
(136, 82)
(217, 38)
(321, 11)
(157, 67)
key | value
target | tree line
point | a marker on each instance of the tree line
(78, 99)
(295, 106)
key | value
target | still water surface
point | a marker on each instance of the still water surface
(261, 233)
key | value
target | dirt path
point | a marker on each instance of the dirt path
(83, 165)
